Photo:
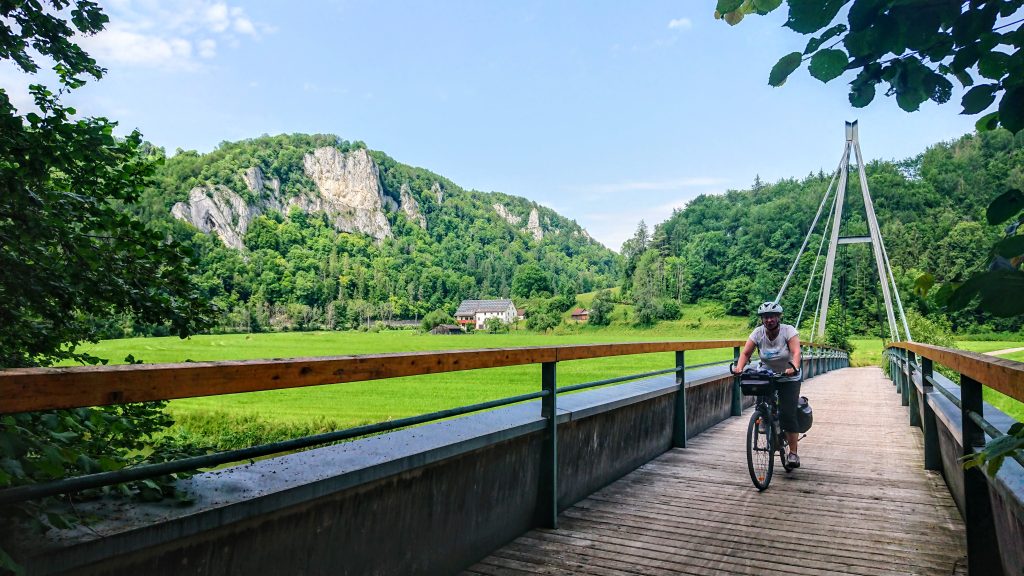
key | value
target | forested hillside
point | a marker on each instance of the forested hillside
(738, 247)
(298, 271)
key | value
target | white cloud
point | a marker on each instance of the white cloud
(207, 48)
(216, 16)
(117, 44)
(245, 26)
(680, 23)
(170, 34)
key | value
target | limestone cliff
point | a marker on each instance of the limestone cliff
(508, 216)
(349, 191)
(533, 225)
(436, 189)
(217, 210)
(411, 208)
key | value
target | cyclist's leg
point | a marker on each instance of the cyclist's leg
(789, 395)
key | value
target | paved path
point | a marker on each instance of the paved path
(1004, 351)
(861, 504)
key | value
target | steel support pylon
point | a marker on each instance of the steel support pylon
(875, 239)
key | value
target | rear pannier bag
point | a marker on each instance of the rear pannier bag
(804, 416)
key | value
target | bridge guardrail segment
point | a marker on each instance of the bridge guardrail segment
(54, 388)
(986, 546)
(33, 389)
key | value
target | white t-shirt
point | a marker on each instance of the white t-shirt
(774, 353)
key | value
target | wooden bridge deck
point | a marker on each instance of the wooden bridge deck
(862, 503)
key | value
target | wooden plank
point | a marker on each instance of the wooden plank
(28, 389)
(1006, 376)
(861, 504)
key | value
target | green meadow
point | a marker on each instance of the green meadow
(246, 419)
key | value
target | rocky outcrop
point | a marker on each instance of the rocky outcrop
(257, 184)
(350, 191)
(508, 216)
(533, 225)
(217, 210)
(410, 207)
(438, 193)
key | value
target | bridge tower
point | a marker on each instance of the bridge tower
(874, 238)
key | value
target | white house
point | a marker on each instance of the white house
(478, 311)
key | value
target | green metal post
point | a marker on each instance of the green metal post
(915, 401)
(548, 497)
(679, 428)
(907, 382)
(932, 459)
(899, 372)
(737, 398)
(983, 555)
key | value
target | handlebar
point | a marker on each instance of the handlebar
(764, 373)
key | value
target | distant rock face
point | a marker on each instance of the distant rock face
(217, 210)
(257, 184)
(350, 191)
(411, 208)
(533, 225)
(508, 216)
(436, 189)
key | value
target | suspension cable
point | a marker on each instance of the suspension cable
(817, 258)
(810, 230)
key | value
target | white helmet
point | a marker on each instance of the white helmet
(769, 308)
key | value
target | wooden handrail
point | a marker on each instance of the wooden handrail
(30, 389)
(1006, 376)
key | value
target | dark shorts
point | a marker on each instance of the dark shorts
(789, 396)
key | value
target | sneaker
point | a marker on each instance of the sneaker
(793, 460)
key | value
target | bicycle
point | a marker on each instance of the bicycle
(764, 432)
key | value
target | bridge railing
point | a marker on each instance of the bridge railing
(992, 508)
(35, 389)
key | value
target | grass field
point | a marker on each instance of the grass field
(869, 353)
(246, 419)
(261, 416)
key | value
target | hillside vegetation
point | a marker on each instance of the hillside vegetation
(738, 247)
(298, 272)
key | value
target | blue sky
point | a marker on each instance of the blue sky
(608, 112)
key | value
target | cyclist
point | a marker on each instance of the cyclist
(778, 345)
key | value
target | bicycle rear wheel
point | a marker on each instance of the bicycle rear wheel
(760, 450)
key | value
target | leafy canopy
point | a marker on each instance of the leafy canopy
(71, 253)
(916, 48)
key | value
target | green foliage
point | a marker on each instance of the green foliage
(495, 326)
(227, 431)
(71, 254)
(346, 280)
(435, 319)
(530, 281)
(916, 48)
(601, 309)
(544, 314)
(837, 329)
(997, 450)
(736, 248)
(997, 288)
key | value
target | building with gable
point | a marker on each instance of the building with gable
(478, 311)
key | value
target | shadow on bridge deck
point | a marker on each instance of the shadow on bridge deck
(861, 504)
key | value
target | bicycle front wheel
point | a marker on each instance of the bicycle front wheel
(760, 450)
